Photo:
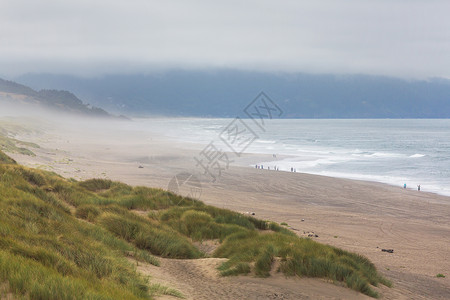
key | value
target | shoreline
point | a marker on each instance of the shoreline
(251, 159)
(353, 177)
(394, 166)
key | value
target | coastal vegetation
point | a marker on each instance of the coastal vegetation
(64, 239)
(16, 146)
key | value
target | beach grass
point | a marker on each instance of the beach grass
(248, 249)
(48, 253)
(300, 257)
(16, 146)
(63, 239)
(5, 159)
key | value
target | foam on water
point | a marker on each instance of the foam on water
(389, 151)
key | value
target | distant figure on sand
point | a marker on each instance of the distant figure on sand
(404, 185)
(418, 187)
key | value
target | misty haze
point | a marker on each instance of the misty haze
(202, 150)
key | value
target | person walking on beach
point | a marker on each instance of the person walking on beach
(404, 185)
(418, 187)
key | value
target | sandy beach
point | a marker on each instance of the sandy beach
(364, 217)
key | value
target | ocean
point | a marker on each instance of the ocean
(393, 151)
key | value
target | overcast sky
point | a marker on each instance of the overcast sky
(407, 38)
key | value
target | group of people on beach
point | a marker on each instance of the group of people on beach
(273, 168)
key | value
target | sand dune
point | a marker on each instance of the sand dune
(363, 217)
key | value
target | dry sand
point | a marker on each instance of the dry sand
(359, 216)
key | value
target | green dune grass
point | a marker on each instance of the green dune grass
(62, 239)
(16, 146)
(5, 159)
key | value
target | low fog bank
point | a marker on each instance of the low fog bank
(47, 118)
(138, 151)
(133, 151)
(117, 138)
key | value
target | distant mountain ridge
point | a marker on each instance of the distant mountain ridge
(225, 93)
(15, 93)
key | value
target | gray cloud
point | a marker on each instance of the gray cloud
(399, 38)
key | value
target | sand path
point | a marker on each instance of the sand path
(199, 279)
